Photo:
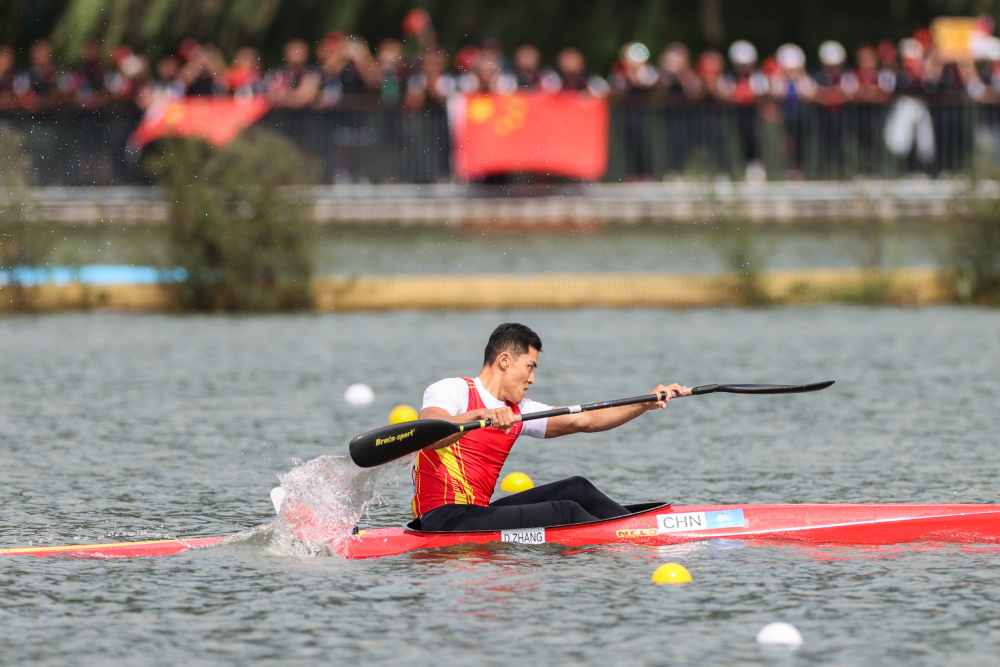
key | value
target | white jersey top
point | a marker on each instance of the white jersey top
(452, 396)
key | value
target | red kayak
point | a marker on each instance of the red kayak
(658, 525)
(651, 524)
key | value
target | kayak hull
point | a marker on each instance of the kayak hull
(854, 524)
(653, 525)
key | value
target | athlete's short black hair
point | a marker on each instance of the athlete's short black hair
(510, 337)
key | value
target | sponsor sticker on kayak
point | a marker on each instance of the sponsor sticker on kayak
(523, 536)
(687, 521)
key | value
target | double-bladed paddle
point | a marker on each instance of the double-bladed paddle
(397, 440)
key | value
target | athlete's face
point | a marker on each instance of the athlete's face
(519, 374)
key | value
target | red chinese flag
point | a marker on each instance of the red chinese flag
(217, 120)
(565, 134)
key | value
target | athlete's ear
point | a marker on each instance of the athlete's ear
(504, 360)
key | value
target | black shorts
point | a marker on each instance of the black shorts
(573, 500)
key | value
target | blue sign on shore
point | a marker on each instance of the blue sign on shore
(96, 274)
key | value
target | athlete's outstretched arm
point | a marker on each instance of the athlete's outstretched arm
(607, 419)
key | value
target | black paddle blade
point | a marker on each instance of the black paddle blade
(761, 388)
(397, 440)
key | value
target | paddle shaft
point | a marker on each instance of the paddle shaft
(568, 410)
(659, 396)
(397, 440)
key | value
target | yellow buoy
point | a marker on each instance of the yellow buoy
(515, 482)
(402, 413)
(671, 573)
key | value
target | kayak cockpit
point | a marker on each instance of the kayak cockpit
(634, 509)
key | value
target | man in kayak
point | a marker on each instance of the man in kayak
(454, 478)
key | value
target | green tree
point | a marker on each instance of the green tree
(598, 27)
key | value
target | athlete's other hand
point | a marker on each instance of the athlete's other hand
(669, 391)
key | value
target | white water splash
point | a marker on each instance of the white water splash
(324, 499)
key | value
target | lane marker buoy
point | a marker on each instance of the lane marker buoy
(516, 482)
(671, 573)
(779, 633)
(359, 394)
(402, 413)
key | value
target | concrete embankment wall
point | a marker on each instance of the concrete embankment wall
(908, 287)
(542, 207)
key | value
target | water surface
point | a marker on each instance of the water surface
(127, 427)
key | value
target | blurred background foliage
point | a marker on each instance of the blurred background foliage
(598, 28)
(238, 223)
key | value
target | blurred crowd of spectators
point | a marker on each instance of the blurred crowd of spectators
(416, 73)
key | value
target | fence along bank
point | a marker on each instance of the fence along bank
(388, 145)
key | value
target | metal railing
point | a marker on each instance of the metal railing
(394, 146)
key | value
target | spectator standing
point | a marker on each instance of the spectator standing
(710, 67)
(875, 85)
(837, 85)
(430, 87)
(296, 84)
(529, 74)
(86, 83)
(909, 128)
(677, 89)
(678, 83)
(204, 71)
(744, 87)
(348, 71)
(792, 88)
(632, 81)
(164, 86)
(911, 77)
(129, 77)
(571, 68)
(393, 72)
(243, 77)
(37, 89)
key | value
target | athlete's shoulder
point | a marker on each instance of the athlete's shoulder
(449, 394)
(450, 384)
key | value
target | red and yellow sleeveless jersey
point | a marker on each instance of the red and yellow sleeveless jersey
(466, 472)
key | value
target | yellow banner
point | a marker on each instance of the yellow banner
(952, 36)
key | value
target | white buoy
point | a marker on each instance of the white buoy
(359, 394)
(779, 633)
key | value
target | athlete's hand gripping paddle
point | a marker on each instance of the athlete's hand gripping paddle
(397, 440)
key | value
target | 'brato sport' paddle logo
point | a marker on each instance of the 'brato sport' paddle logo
(394, 438)
(687, 521)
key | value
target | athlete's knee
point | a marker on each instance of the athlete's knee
(571, 511)
(580, 483)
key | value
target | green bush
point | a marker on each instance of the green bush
(975, 247)
(24, 243)
(743, 254)
(237, 222)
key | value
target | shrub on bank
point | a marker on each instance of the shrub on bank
(974, 255)
(237, 222)
(24, 243)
